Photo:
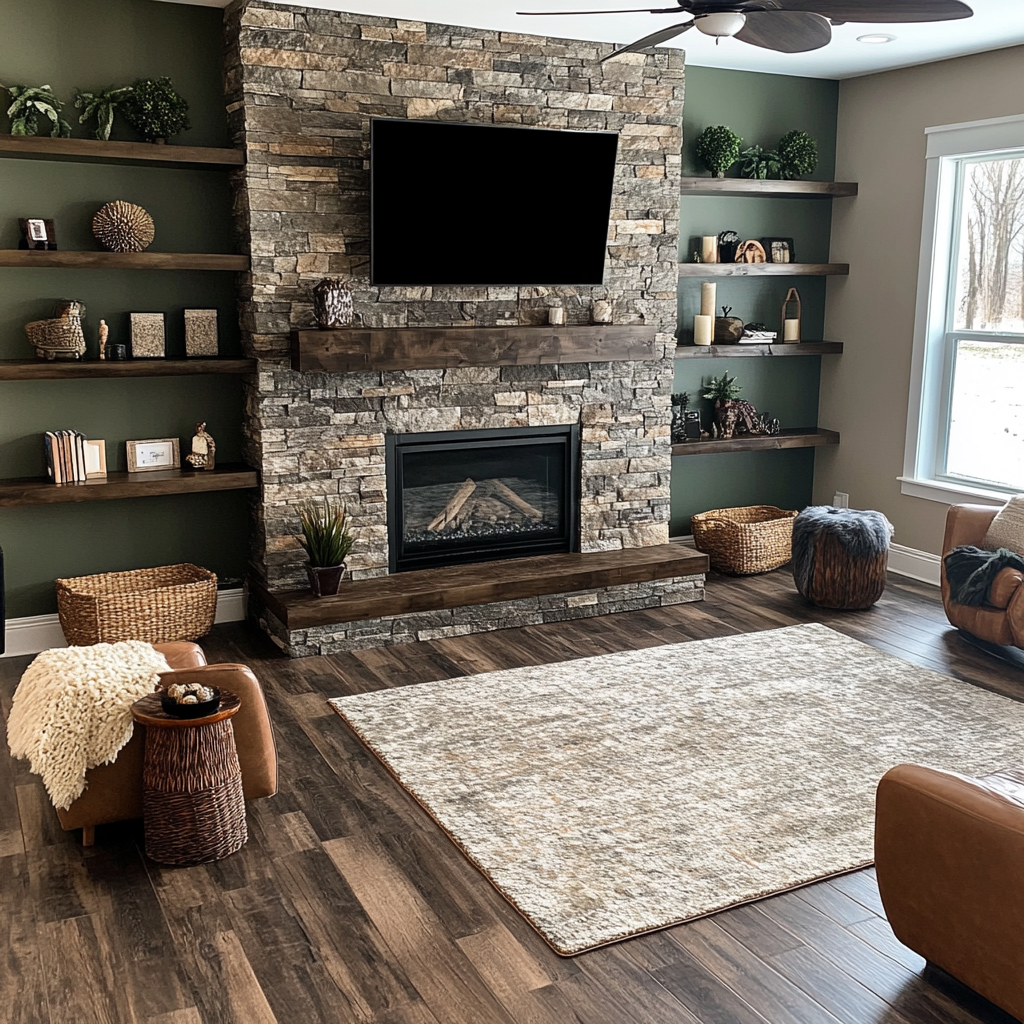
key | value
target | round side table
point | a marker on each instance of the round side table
(192, 801)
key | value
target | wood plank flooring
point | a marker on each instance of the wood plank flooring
(349, 905)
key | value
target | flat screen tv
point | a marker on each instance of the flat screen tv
(469, 204)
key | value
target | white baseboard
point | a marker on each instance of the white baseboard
(918, 565)
(36, 633)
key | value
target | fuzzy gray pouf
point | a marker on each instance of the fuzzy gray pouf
(610, 796)
(861, 535)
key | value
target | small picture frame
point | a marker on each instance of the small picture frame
(691, 424)
(95, 459)
(779, 250)
(37, 233)
(156, 453)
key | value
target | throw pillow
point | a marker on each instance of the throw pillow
(1007, 529)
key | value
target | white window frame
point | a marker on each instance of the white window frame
(930, 369)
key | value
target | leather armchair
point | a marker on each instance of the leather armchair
(949, 852)
(1001, 620)
(114, 791)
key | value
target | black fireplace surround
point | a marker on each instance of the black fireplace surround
(463, 496)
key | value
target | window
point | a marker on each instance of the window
(965, 433)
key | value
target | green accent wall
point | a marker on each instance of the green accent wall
(92, 44)
(760, 108)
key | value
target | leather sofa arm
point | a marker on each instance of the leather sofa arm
(254, 734)
(967, 524)
(181, 654)
(948, 855)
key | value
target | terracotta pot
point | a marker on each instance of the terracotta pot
(324, 580)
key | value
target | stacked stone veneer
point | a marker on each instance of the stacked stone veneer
(302, 86)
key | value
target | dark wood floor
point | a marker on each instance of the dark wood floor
(349, 904)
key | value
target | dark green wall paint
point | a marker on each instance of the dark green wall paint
(92, 44)
(760, 108)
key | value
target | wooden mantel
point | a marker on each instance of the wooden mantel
(431, 348)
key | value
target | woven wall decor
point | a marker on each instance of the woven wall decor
(123, 227)
(148, 336)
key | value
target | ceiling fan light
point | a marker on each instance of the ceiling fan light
(876, 38)
(721, 23)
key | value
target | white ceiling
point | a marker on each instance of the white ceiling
(996, 24)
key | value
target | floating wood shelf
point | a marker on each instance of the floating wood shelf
(455, 586)
(39, 369)
(778, 189)
(70, 260)
(787, 439)
(429, 348)
(39, 491)
(93, 151)
(763, 269)
(805, 348)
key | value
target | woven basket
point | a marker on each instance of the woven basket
(745, 540)
(172, 602)
(57, 339)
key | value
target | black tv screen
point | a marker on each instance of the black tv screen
(468, 204)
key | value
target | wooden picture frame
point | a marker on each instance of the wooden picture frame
(95, 459)
(37, 233)
(779, 250)
(154, 454)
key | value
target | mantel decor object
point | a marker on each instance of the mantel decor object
(728, 329)
(792, 317)
(556, 316)
(37, 233)
(727, 243)
(779, 250)
(201, 333)
(751, 251)
(602, 312)
(709, 249)
(204, 449)
(62, 336)
(703, 330)
(148, 341)
(332, 304)
(156, 453)
(123, 227)
(708, 298)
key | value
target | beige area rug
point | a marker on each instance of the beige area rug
(616, 795)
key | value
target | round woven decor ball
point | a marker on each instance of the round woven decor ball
(123, 227)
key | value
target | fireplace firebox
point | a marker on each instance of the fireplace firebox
(477, 495)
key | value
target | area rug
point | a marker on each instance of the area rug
(610, 796)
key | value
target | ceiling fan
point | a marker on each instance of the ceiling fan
(789, 26)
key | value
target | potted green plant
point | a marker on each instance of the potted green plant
(101, 106)
(718, 148)
(29, 103)
(798, 154)
(761, 163)
(155, 110)
(724, 392)
(327, 540)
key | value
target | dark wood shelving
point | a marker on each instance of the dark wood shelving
(779, 189)
(427, 348)
(805, 348)
(71, 260)
(39, 491)
(40, 369)
(763, 269)
(94, 151)
(802, 438)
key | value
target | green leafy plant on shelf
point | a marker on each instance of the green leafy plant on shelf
(722, 389)
(718, 148)
(798, 154)
(325, 532)
(101, 106)
(156, 110)
(761, 163)
(29, 103)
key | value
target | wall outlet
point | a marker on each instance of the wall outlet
(841, 500)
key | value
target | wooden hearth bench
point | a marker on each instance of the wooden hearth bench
(427, 590)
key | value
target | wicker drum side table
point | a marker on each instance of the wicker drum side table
(193, 806)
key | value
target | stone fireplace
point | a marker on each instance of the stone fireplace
(303, 85)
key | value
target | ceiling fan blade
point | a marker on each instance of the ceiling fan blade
(629, 10)
(786, 31)
(652, 40)
(882, 11)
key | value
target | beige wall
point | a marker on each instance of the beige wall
(864, 392)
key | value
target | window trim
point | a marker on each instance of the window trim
(945, 144)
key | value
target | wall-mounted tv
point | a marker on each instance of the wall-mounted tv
(471, 204)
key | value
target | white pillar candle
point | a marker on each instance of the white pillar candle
(709, 248)
(791, 331)
(708, 298)
(602, 312)
(556, 315)
(703, 330)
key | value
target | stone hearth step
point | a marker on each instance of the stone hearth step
(482, 583)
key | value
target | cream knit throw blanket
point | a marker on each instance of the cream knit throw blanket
(72, 710)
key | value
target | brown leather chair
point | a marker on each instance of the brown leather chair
(1001, 619)
(949, 855)
(114, 791)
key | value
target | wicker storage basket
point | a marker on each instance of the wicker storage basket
(745, 540)
(57, 339)
(172, 602)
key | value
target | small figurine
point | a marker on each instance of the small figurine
(103, 333)
(204, 449)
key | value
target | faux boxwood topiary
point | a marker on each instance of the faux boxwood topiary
(718, 148)
(156, 110)
(798, 154)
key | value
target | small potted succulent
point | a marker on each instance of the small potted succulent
(718, 148)
(327, 540)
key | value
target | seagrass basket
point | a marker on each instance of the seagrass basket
(61, 338)
(171, 602)
(744, 541)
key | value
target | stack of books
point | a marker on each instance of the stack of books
(65, 456)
